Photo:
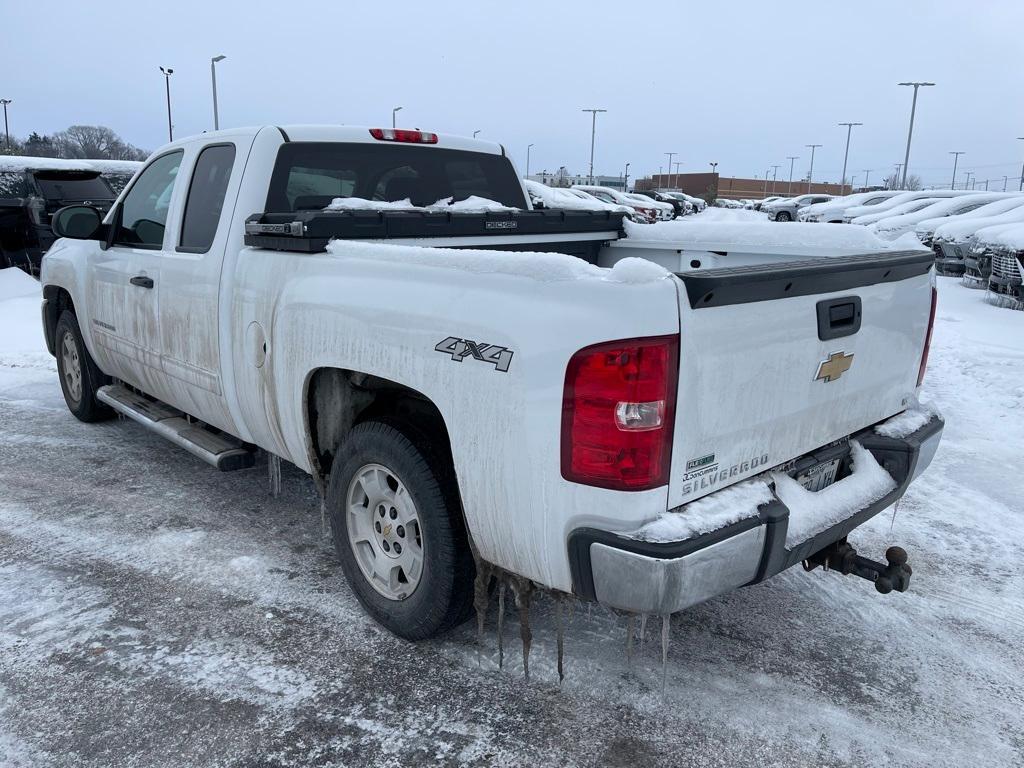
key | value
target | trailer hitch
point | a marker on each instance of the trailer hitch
(842, 557)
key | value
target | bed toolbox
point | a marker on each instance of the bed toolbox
(310, 231)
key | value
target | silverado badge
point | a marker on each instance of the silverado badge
(837, 364)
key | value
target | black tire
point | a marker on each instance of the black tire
(84, 406)
(783, 216)
(442, 599)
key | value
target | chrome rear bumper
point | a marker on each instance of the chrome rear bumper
(665, 577)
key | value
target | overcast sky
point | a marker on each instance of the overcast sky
(743, 84)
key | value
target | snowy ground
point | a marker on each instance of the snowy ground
(154, 612)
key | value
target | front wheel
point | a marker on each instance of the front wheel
(80, 379)
(398, 533)
(783, 216)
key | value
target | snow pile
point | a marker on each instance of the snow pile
(727, 506)
(908, 422)
(472, 204)
(810, 513)
(727, 235)
(362, 204)
(15, 283)
(544, 267)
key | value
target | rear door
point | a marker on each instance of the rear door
(762, 380)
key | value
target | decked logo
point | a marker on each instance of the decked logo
(837, 364)
(460, 349)
(501, 225)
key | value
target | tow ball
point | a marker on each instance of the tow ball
(843, 558)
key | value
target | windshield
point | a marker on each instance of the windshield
(63, 185)
(309, 175)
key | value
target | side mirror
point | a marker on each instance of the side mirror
(80, 222)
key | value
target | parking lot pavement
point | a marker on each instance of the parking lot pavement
(154, 612)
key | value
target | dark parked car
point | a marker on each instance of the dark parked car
(661, 197)
(32, 189)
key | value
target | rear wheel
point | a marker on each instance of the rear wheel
(80, 379)
(398, 533)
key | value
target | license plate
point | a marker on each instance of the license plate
(819, 476)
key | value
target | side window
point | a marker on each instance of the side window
(144, 212)
(206, 197)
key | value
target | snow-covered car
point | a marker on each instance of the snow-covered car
(893, 226)
(831, 212)
(32, 189)
(885, 212)
(786, 208)
(760, 204)
(644, 208)
(1006, 248)
(663, 211)
(680, 205)
(470, 399)
(899, 199)
(983, 248)
(725, 202)
(951, 241)
(543, 196)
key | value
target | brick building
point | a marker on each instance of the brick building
(711, 185)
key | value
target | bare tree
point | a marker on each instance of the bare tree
(94, 142)
(893, 181)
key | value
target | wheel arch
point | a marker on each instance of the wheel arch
(337, 399)
(56, 300)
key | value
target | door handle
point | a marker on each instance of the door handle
(142, 281)
(838, 318)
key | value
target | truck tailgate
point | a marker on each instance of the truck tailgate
(763, 381)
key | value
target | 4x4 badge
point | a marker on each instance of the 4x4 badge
(837, 364)
(460, 349)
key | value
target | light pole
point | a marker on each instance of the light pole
(792, 159)
(910, 132)
(593, 132)
(394, 115)
(7, 131)
(775, 175)
(765, 193)
(677, 163)
(956, 158)
(896, 178)
(625, 179)
(714, 167)
(670, 154)
(810, 173)
(167, 80)
(1004, 182)
(213, 80)
(476, 132)
(853, 182)
(867, 171)
(1019, 138)
(846, 155)
(528, 147)
(968, 179)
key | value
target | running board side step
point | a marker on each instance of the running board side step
(217, 450)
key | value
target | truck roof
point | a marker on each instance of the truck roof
(26, 163)
(344, 133)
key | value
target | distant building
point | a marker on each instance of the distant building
(562, 178)
(711, 185)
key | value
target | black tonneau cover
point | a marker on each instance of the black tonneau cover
(764, 282)
(310, 231)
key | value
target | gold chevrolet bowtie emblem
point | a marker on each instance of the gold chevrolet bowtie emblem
(837, 364)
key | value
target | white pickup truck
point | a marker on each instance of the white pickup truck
(498, 403)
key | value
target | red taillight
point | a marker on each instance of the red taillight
(401, 134)
(928, 338)
(618, 413)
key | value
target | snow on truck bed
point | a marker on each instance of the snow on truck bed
(697, 232)
(543, 267)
